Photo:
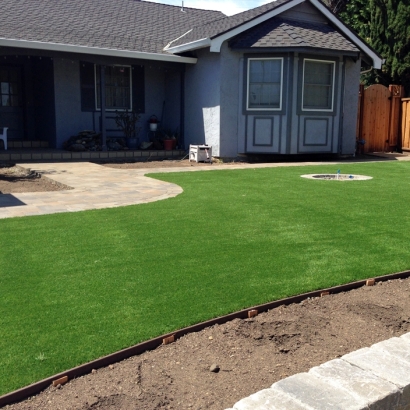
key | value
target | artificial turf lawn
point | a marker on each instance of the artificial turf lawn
(77, 286)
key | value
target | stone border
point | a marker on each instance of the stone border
(337, 177)
(370, 378)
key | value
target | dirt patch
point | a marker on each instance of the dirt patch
(176, 163)
(252, 354)
(15, 179)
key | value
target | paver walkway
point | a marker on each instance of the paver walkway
(97, 187)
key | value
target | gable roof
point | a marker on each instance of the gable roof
(214, 33)
(146, 30)
(108, 27)
(283, 33)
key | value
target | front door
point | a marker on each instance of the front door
(11, 104)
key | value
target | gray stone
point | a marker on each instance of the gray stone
(376, 392)
(270, 399)
(396, 346)
(318, 394)
(385, 366)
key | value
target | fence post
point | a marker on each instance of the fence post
(360, 113)
(405, 126)
(397, 93)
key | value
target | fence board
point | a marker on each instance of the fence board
(405, 124)
(397, 93)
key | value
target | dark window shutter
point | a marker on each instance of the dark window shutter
(87, 86)
(138, 88)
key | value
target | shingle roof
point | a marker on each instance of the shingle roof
(223, 24)
(132, 25)
(278, 32)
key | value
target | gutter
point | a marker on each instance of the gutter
(69, 48)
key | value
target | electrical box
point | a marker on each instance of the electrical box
(200, 153)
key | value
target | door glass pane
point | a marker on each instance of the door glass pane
(5, 100)
(5, 88)
(318, 85)
(117, 87)
(264, 83)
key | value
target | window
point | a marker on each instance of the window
(117, 87)
(265, 77)
(9, 88)
(318, 85)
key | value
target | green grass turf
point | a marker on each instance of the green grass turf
(77, 286)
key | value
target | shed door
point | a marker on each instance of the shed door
(264, 103)
(315, 127)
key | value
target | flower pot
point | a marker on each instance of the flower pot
(132, 143)
(168, 145)
(153, 126)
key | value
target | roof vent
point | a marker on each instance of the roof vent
(182, 9)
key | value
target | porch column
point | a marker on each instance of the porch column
(103, 119)
(182, 113)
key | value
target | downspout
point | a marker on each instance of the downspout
(182, 110)
(102, 102)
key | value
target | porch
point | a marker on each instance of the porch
(39, 151)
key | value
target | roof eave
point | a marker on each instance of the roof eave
(194, 45)
(70, 48)
(216, 42)
(365, 48)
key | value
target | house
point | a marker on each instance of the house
(282, 78)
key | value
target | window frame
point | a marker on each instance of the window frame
(333, 77)
(261, 109)
(97, 88)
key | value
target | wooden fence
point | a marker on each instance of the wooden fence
(405, 124)
(379, 116)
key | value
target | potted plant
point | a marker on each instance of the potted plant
(153, 123)
(127, 122)
(170, 139)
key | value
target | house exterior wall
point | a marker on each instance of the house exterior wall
(350, 106)
(162, 98)
(304, 12)
(231, 86)
(69, 117)
(202, 101)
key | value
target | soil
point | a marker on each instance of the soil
(251, 354)
(172, 163)
(14, 179)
